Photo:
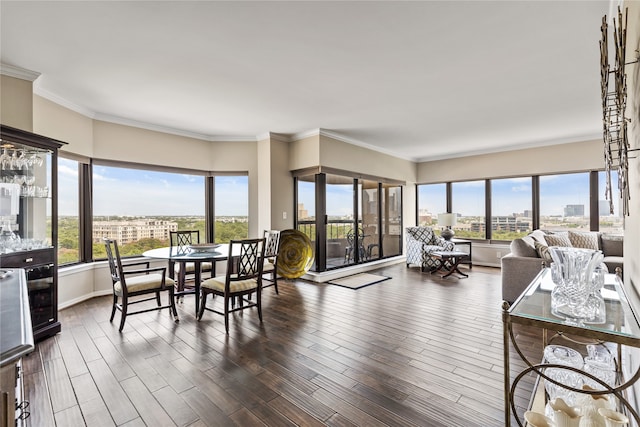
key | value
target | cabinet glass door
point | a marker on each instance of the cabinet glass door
(25, 197)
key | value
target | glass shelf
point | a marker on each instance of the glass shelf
(620, 326)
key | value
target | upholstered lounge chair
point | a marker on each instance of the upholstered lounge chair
(421, 241)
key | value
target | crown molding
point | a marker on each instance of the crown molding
(353, 141)
(38, 90)
(18, 73)
(306, 134)
(172, 131)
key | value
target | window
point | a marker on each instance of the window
(564, 202)
(432, 200)
(68, 211)
(306, 209)
(511, 214)
(468, 202)
(391, 219)
(609, 222)
(349, 220)
(340, 221)
(139, 207)
(368, 201)
(231, 208)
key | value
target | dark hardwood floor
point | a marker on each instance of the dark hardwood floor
(416, 350)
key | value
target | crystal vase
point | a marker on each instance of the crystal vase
(576, 295)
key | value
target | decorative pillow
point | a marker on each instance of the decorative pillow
(612, 245)
(524, 247)
(543, 252)
(558, 240)
(539, 235)
(586, 240)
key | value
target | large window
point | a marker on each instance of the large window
(511, 212)
(391, 219)
(231, 208)
(341, 230)
(564, 202)
(432, 200)
(139, 207)
(349, 220)
(68, 211)
(369, 203)
(468, 202)
(571, 201)
(306, 209)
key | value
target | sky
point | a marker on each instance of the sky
(134, 192)
(513, 195)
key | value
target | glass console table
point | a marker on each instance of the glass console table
(533, 308)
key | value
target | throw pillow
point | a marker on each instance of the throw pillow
(612, 245)
(558, 240)
(539, 235)
(544, 253)
(523, 247)
(586, 240)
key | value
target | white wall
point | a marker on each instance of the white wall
(63, 124)
(579, 156)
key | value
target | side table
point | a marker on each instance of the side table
(460, 243)
(449, 261)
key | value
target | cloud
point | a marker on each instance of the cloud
(67, 171)
(521, 188)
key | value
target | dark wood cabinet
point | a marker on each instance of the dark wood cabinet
(29, 220)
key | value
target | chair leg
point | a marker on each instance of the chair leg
(259, 304)
(203, 303)
(172, 302)
(113, 310)
(226, 315)
(275, 281)
(124, 312)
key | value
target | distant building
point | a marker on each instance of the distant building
(424, 216)
(134, 230)
(302, 212)
(509, 223)
(574, 210)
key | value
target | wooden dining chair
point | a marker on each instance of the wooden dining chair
(243, 277)
(270, 267)
(130, 283)
(183, 271)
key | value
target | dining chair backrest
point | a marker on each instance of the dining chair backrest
(247, 256)
(182, 239)
(113, 256)
(272, 243)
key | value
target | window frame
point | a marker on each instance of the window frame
(86, 197)
(535, 202)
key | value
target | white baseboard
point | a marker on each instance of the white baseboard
(85, 297)
(353, 269)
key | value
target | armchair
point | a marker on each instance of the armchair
(421, 241)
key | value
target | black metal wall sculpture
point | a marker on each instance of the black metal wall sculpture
(613, 85)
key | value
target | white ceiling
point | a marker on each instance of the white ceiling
(423, 79)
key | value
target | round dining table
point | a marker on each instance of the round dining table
(183, 255)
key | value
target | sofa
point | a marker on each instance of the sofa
(421, 241)
(529, 254)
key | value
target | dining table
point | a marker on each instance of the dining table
(183, 255)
